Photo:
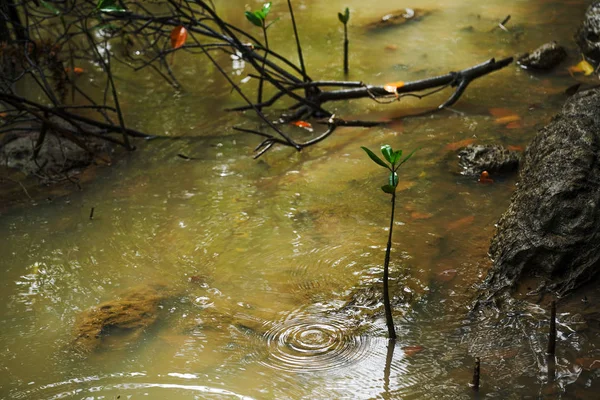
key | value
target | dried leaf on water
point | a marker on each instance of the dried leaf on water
(447, 275)
(76, 70)
(485, 178)
(461, 223)
(178, 36)
(302, 124)
(458, 145)
(588, 363)
(419, 215)
(584, 67)
(514, 125)
(514, 148)
(393, 86)
(412, 350)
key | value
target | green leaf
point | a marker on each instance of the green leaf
(388, 189)
(108, 6)
(393, 179)
(344, 17)
(387, 152)
(50, 7)
(396, 156)
(272, 22)
(266, 9)
(375, 159)
(407, 158)
(255, 19)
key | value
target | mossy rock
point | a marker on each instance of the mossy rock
(120, 322)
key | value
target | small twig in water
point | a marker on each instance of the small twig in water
(476, 374)
(92, 214)
(552, 334)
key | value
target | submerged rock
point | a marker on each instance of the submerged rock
(550, 230)
(588, 35)
(398, 17)
(476, 158)
(57, 156)
(121, 320)
(546, 56)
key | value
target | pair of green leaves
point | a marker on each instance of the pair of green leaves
(109, 6)
(345, 17)
(394, 160)
(258, 17)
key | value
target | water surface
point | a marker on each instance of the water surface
(261, 257)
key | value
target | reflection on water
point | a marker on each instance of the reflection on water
(274, 266)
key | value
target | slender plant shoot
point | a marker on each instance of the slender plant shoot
(344, 18)
(258, 18)
(394, 162)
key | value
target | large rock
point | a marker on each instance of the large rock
(476, 158)
(588, 35)
(120, 322)
(544, 57)
(551, 230)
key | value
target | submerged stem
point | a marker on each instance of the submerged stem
(346, 49)
(262, 71)
(389, 320)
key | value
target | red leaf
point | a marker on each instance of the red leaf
(457, 145)
(514, 148)
(302, 124)
(412, 350)
(461, 223)
(485, 178)
(447, 275)
(178, 36)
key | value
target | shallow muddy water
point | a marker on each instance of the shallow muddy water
(260, 257)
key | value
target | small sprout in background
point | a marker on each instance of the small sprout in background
(258, 18)
(394, 162)
(344, 18)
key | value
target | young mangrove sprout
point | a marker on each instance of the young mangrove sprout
(344, 18)
(258, 18)
(394, 161)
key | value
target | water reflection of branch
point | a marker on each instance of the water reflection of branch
(388, 368)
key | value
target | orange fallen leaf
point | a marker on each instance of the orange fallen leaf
(457, 145)
(391, 47)
(302, 124)
(514, 125)
(76, 70)
(507, 119)
(3, 115)
(588, 363)
(393, 86)
(514, 148)
(584, 67)
(461, 222)
(485, 178)
(412, 350)
(418, 215)
(501, 112)
(447, 275)
(178, 36)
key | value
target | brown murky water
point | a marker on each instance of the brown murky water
(261, 256)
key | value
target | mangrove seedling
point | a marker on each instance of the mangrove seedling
(259, 18)
(344, 18)
(394, 162)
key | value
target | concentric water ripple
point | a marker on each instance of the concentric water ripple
(314, 343)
